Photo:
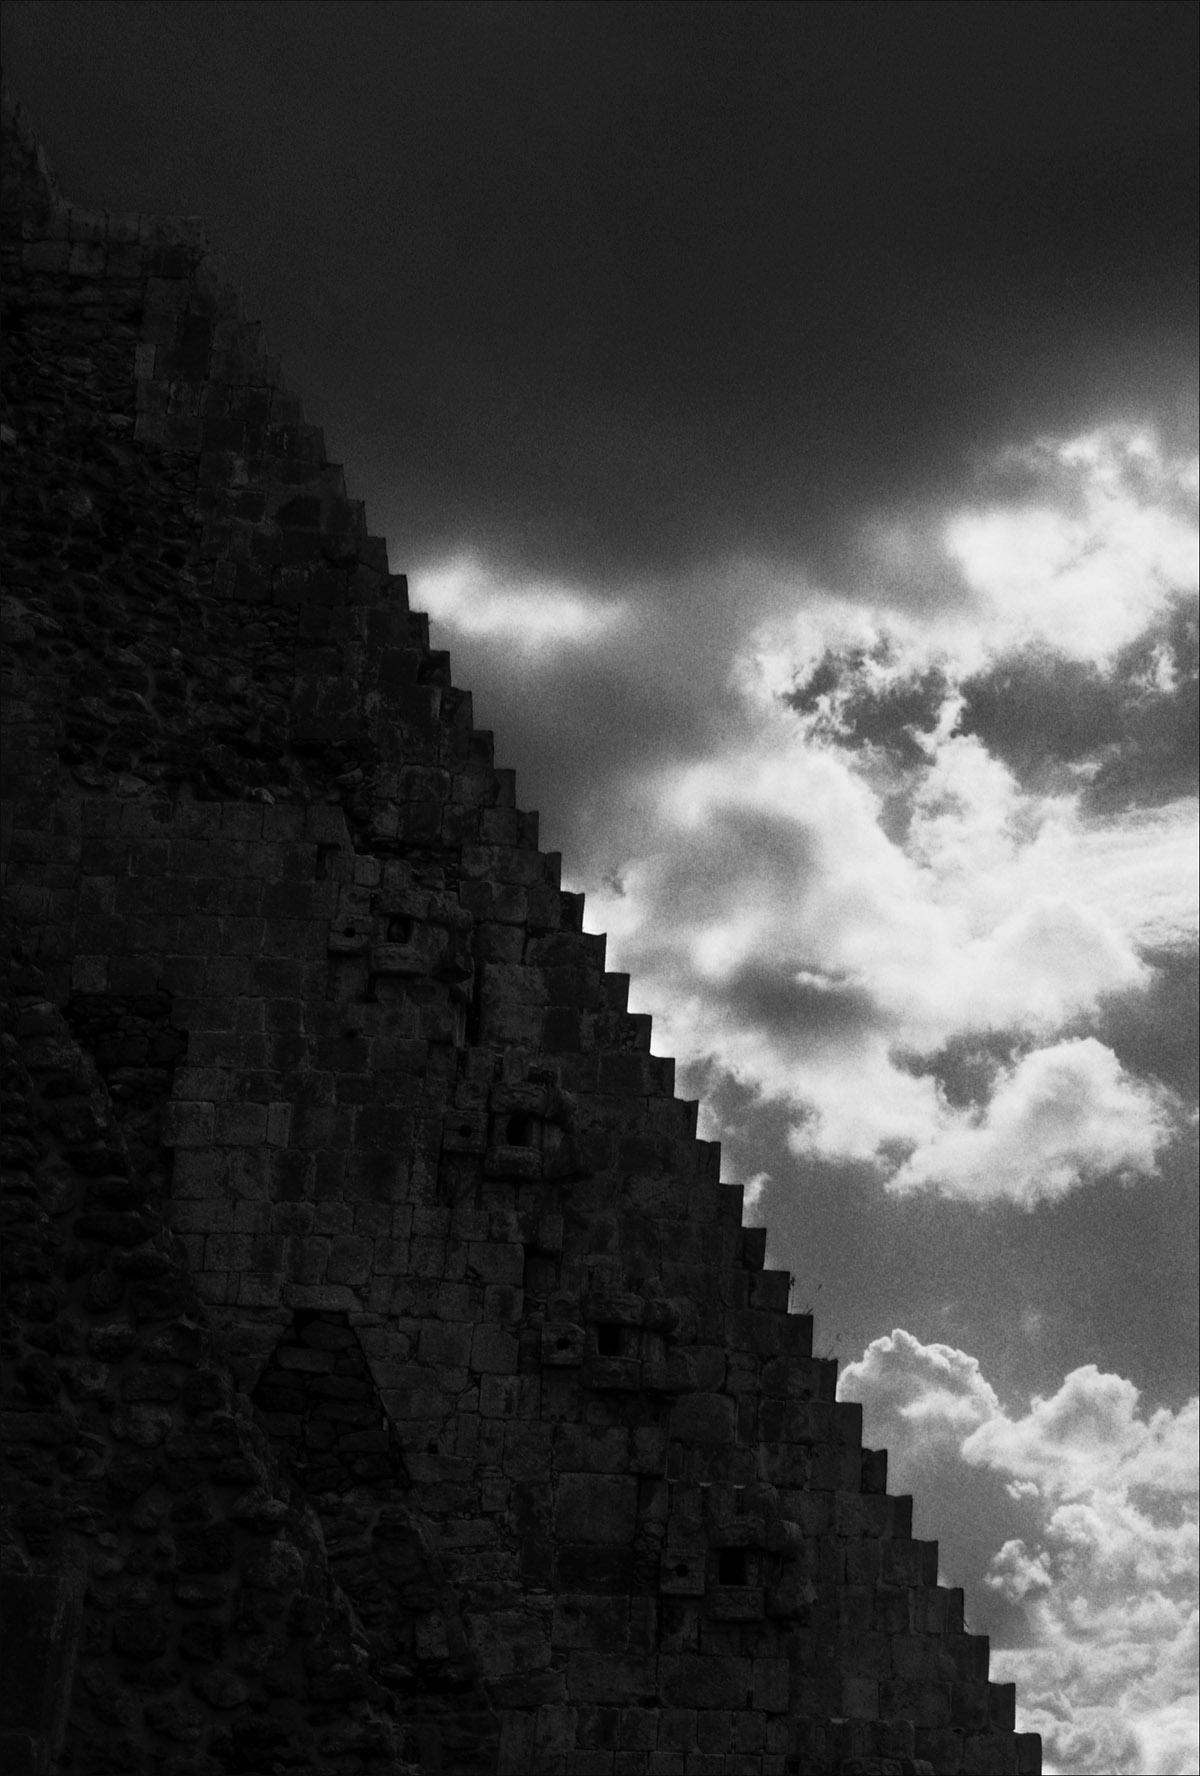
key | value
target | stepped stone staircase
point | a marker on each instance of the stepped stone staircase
(390, 1382)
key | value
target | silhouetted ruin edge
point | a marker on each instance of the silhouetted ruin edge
(390, 1382)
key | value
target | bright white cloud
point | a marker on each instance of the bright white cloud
(467, 596)
(931, 1387)
(1061, 1114)
(776, 929)
(1086, 581)
(779, 922)
(1102, 1562)
(1082, 570)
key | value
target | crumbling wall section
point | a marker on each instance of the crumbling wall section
(162, 1567)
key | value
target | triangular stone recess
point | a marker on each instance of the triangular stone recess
(567, 1490)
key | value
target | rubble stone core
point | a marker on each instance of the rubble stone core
(390, 1382)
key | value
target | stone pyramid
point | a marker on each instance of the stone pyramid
(391, 1384)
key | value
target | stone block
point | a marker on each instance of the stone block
(703, 1419)
(509, 1641)
(445, 1344)
(737, 1603)
(748, 1731)
(516, 1748)
(1002, 1707)
(241, 1125)
(528, 1448)
(674, 1374)
(89, 974)
(689, 1680)
(648, 1450)
(925, 1704)
(325, 1298)
(591, 1449)
(227, 1251)
(770, 1291)
(683, 1571)
(1029, 1754)
(495, 1261)
(942, 1748)
(349, 1260)
(990, 1754)
(188, 1124)
(562, 1343)
(589, 1622)
(493, 1351)
(608, 1677)
(513, 1162)
(970, 1704)
(614, 1309)
(598, 1508)
(612, 1374)
(677, 1730)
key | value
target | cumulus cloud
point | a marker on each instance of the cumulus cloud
(1068, 548)
(1099, 1571)
(824, 901)
(1074, 646)
(774, 927)
(1061, 1114)
(1076, 550)
(1086, 573)
(935, 1387)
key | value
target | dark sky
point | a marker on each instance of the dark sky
(638, 279)
(787, 415)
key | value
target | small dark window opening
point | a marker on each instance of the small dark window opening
(608, 1341)
(519, 1130)
(562, 1344)
(731, 1566)
(400, 931)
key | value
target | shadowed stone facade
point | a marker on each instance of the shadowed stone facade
(391, 1384)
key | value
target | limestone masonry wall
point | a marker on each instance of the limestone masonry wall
(390, 1381)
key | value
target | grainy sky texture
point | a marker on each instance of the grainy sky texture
(787, 414)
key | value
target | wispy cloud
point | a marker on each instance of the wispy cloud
(1094, 1555)
(468, 596)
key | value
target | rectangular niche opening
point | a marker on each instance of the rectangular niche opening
(609, 1341)
(731, 1566)
(519, 1130)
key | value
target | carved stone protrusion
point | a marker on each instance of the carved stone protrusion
(563, 1343)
